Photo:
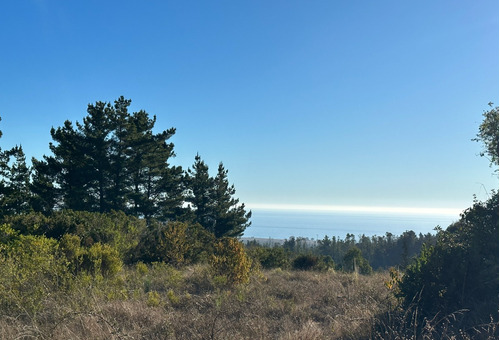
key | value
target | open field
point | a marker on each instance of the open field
(160, 302)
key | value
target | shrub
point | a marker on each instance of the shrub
(305, 262)
(461, 270)
(176, 243)
(31, 268)
(72, 250)
(27, 224)
(102, 260)
(230, 261)
(355, 262)
(276, 257)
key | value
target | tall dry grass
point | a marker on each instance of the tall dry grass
(161, 302)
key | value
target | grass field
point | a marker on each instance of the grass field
(161, 302)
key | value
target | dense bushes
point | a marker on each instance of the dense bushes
(270, 257)
(176, 243)
(461, 270)
(31, 268)
(355, 262)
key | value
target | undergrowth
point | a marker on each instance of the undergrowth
(159, 301)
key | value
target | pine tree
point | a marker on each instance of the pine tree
(14, 181)
(95, 131)
(212, 201)
(69, 164)
(231, 218)
(17, 198)
(110, 161)
(45, 194)
(199, 195)
(119, 179)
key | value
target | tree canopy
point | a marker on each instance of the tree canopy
(114, 160)
(488, 134)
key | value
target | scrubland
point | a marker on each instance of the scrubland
(161, 302)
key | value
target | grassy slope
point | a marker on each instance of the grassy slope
(161, 302)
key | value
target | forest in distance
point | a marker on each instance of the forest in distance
(105, 238)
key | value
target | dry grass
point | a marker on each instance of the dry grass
(164, 303)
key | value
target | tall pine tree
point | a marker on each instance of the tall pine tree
(212, 202)
(16, 198)
(231, 218)
(111, 161)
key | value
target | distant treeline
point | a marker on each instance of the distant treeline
(381, 252)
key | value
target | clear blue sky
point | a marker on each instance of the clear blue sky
(360, 103)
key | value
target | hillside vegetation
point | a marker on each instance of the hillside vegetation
(153, 253)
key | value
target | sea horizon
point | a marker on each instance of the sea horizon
(316, 224)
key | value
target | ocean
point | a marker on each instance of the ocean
(281, 224)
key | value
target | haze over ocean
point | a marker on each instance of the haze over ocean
(281, 224)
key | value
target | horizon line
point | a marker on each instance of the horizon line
(357, 208)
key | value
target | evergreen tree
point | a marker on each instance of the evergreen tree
(16, 194)
(111, 161)
(14, 181)
(488, 134)
(119, 179)
(68, 163)
(231, 219)
(45, 195)
(214, 206)
(199, 195)
(95, 131)
(155, 188)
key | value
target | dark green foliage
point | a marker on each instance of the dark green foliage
(212, 202)
(15, 195)
(231, 218)
(176, 243)
(354, 261)
(380, 251)
(275, 257)
(488, 134)
(461, 270)
(305, 262)
(111, 161)
(200, 194)
(117, 229)
(28, 224)
(45, 195)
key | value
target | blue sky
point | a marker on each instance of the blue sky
(350, 103)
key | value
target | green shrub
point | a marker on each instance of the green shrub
(117, 229)
(73, 251)
(354, 261)
(27, 224)
(276, 257)
(31, 269)
(102, 260)
(305, 262)
(176, 243)
(461, 270)
(230, 261)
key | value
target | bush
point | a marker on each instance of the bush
(102, 260)
(176, 243)
(461, 270)
(230, 261)
(268, 258)
(305, 262)
(355, 262)
(31, 269)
